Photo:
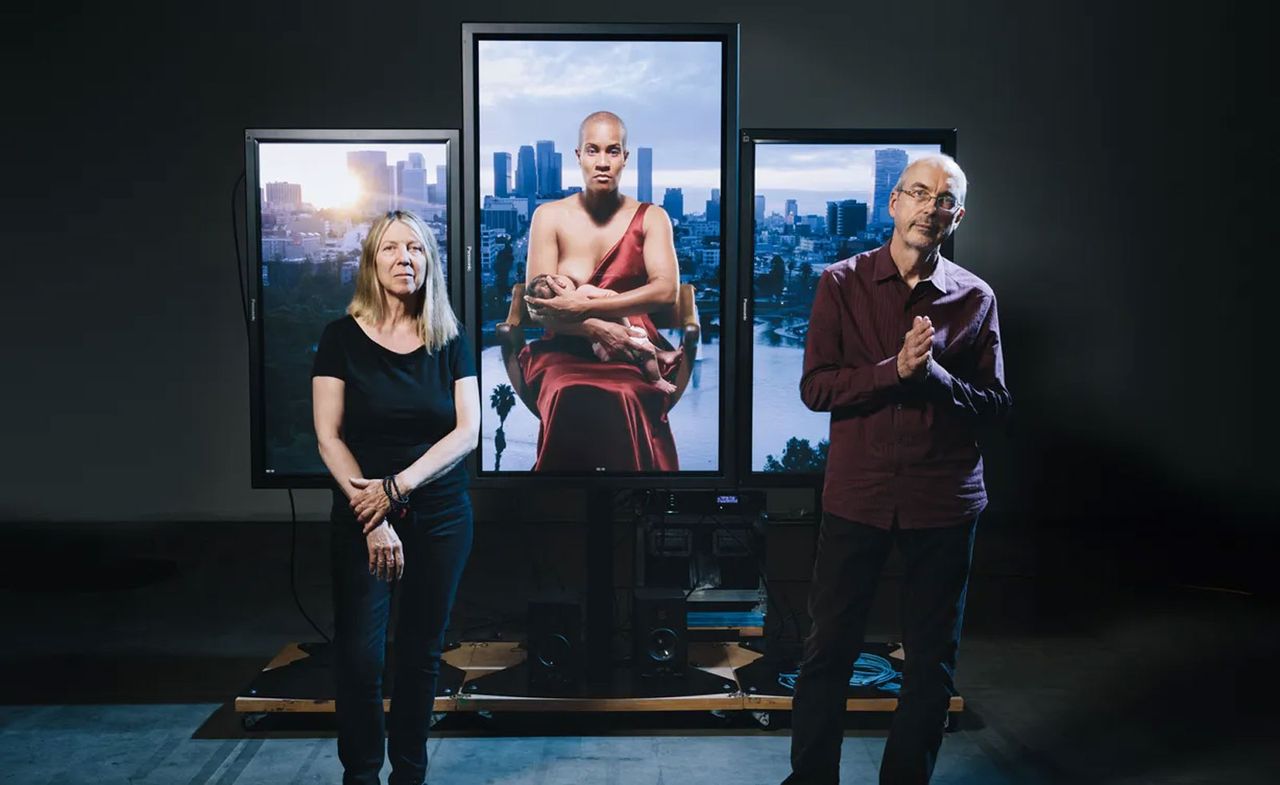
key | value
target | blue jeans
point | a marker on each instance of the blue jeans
(845, 572)
(437, 540)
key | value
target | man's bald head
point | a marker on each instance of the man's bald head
(602, 117)
(941, 161)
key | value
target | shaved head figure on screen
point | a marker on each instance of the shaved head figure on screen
(592, 371)
(603, 117)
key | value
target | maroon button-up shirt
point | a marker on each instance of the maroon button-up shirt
(903, 449)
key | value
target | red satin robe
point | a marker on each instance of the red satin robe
(601, 416)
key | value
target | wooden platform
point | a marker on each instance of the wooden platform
(311, 687)
(295, 682)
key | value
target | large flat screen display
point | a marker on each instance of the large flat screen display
(555, 403)
(816, 197)
(311, 197)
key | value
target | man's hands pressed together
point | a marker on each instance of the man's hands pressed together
(917, 350)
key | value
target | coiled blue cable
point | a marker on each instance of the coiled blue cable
(871, 670)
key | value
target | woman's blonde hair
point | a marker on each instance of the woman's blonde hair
(437, 323)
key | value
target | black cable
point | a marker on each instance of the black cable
(497, 624)
(696, 577)
(464, 602)
(241, 276)
(293, 572)
(534, 556)
(794, 615)
(235, 239)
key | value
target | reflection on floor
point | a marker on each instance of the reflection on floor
(1067, 680)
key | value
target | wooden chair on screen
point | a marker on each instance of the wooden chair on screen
(683, 315)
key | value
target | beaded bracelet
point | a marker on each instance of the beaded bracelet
(399, 502)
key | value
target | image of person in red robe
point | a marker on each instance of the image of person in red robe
(601, 415)
(652, 360)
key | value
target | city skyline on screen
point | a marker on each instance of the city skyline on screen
(813, 205)
(531, 97)
(326, 176)
(667, 92)
(317, 201)
(814, 174)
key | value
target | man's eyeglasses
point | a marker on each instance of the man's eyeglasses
(945, 202)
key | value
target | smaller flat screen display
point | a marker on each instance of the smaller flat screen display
(311, 204)
(813, 203)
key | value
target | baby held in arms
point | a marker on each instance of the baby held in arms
(650, 355)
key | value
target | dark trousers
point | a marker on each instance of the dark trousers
(846, 570)
(437, 540)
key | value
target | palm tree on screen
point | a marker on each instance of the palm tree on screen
(503, 400)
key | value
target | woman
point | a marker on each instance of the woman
(396, 409)
(596, 415)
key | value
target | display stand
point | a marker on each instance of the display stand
(601, 679)
(493, 676)
(300, 679)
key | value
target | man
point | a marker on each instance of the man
(904, 351)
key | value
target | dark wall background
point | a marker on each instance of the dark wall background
(1119, 186)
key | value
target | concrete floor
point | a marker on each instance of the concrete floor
(122, 671)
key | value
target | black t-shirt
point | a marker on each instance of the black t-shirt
(395, 406)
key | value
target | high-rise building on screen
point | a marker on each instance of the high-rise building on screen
(673, 203)
(284, 194)
(377, 186)
(644, 168)
(546, 151)
(526, 172)
(502, 175)
(713, 207)
(889, 166)
(846, 218)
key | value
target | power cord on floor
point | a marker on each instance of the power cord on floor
(293, 572)
(245, 282)
(791, 614)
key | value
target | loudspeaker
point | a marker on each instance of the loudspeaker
(659, 634)
(555, 642)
